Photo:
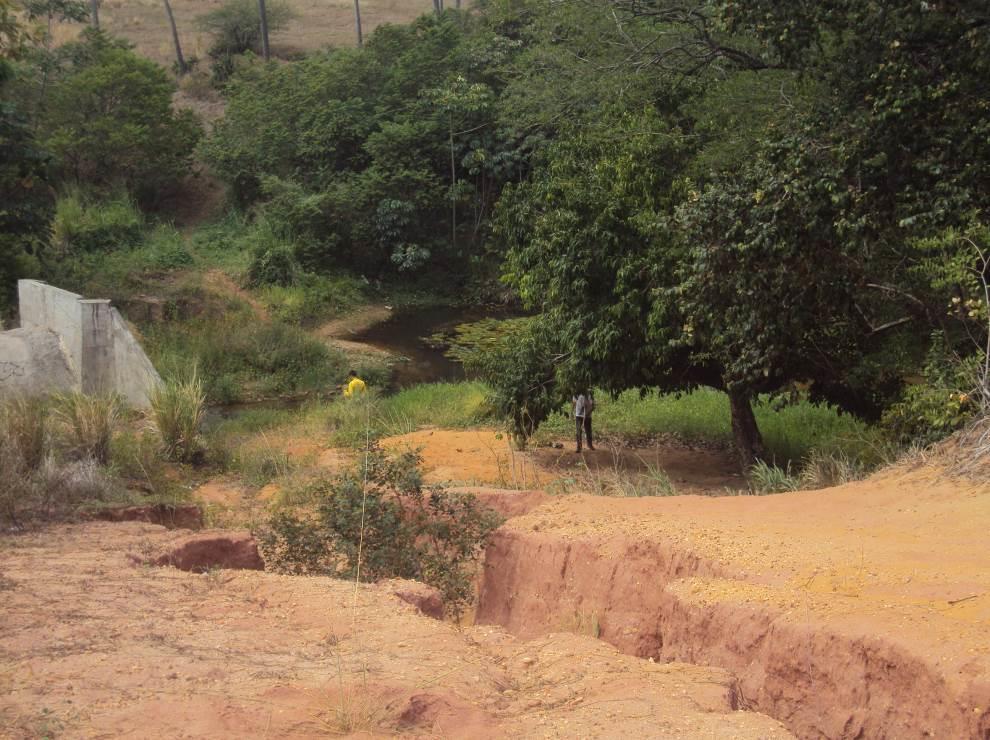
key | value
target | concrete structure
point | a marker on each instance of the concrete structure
(67, 342)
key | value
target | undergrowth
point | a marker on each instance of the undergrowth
(382, 521)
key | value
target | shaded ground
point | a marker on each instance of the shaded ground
(93, 645)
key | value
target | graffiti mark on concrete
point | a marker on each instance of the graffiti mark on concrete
(10, 370)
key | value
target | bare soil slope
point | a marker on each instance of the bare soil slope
(92, 645)
(859, 611)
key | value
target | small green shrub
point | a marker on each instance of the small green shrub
(932, 410)
(235, 28)
(273, 265)
(84, 226)
(313, 298)
(823, 469)
(177, 408)
(766, 478)
(392, 526)
(87, 424)
(166, 249)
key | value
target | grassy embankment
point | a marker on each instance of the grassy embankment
(189, 299)
(802, 438)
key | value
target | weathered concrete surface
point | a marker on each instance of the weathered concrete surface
(134, 376)
(32, 361)
(69, 343)
(43, 306)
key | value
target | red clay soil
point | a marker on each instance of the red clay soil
(859, 611)
(92, 645)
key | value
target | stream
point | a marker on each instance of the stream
(407, 333)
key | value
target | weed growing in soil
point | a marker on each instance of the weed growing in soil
(391, 526)
(766, 478)
(177, 408)
(87, 424)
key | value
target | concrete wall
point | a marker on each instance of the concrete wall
(98, 352)
(43, 306)
(134, 375)
(33, 362)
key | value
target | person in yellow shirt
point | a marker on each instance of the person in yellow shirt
(355, 387)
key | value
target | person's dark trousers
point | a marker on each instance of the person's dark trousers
(583, 424)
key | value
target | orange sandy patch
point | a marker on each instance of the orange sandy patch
(481, 456)
(486, 457)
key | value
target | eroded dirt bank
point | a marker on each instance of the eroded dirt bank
(860, 611)
(94, 644)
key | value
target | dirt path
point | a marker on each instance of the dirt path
(93, 645)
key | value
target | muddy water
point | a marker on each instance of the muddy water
(407, 334)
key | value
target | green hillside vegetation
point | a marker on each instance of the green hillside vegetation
(735, 219)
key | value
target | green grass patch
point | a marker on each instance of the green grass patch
(790, 433)
(313, 298)
(447, 405)
(241, 358)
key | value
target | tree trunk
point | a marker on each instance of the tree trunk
(453, 190)
(357, 22)
(263, 14)
(180, 60)
(745, 432)
(94, 13)
(457, 4)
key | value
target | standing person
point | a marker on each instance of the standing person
(356, 386)
(584, 404)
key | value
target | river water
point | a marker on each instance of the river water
(407, 334)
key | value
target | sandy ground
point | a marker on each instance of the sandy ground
(486, 457)
(93, 645)
(317, 24)
(858, 611)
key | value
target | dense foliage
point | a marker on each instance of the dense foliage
(764, 198)
(384, 160)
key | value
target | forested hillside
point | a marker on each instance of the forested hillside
(763, 198)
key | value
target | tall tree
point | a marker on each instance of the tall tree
(357, 23)
(263, 19)
(180, 60)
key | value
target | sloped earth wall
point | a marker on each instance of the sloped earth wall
(838, 677)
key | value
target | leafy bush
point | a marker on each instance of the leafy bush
(236, 28)
(83, 225)
(87, 424)
(935, 408)
(177, 408)
(392, 526)
(166, 249)
(313, 297)
(274, 265)
(109, 120)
